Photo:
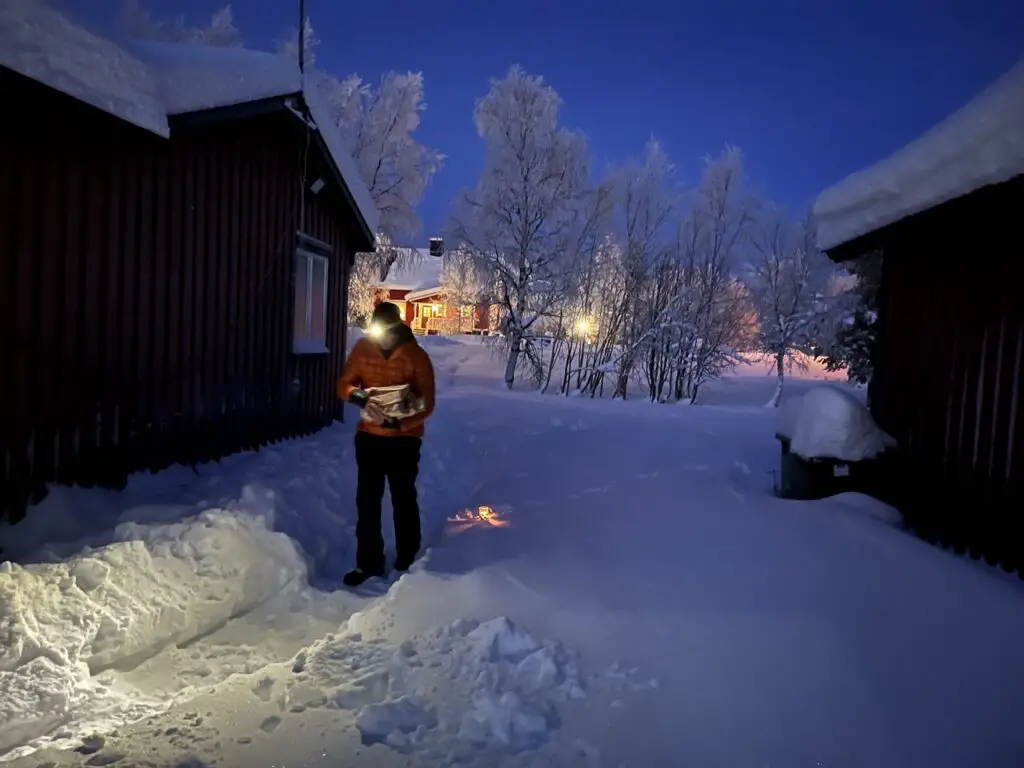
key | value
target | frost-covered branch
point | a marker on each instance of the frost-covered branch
(533, 208)
(793, 289)
(220, 31)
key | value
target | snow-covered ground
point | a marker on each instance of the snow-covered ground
(608, 584)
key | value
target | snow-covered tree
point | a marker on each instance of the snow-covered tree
(647, 199)
(378, 124)
(289, 44)
(221, 31)
(462, 281)
(852, 346)
(715, 321)
(789, 282)
(533, 207)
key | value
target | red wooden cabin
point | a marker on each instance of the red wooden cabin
(418, 292)
(177, 226)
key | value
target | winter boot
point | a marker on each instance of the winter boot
(404, 564)
(357, 576)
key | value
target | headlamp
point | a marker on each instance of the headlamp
(378, 331)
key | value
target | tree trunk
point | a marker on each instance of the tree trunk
(780, 372)
(515, 341)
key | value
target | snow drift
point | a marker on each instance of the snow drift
(61, 623)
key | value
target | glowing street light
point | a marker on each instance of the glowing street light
(583, 326)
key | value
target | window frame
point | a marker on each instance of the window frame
(306, 344)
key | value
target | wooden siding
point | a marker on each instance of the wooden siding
(146, 293)
(949, 379)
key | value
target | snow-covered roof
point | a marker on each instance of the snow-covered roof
(145, 82)
(342, 157)
(981, 144)
(192, 78)
(423, 274)
(44, 45)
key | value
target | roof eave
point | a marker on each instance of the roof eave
(366, 243)
(214, 115)
(250, 109)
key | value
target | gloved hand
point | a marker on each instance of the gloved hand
(391, 423)
(359, 397)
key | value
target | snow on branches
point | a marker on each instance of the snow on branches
(221, 31)
(533, 209)
(794, 292)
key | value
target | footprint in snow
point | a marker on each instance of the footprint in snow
(270, 724)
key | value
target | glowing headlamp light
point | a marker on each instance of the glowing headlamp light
(378, 331)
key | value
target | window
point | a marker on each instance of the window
(310, 329)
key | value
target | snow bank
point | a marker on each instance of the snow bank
(862, 504)
(148, 587)
(981, 144)
(829, 422)
(450, 693)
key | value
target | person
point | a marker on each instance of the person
(386, 448)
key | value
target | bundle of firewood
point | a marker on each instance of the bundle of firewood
(397, 402)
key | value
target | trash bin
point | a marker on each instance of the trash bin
(824, 423)
(816, 478)
(807, 479)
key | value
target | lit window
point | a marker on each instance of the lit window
(311, 288)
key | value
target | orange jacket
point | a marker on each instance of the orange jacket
(408, 363)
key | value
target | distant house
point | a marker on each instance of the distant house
(176, 229)
(426, 306)
(943, 214)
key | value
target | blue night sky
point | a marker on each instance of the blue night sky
(810, 90)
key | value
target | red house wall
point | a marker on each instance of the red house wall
(395, 294)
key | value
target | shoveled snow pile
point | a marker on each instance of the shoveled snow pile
(450, 694)
(62, 624)
(831, 423)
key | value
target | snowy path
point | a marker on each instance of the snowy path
(714, 625)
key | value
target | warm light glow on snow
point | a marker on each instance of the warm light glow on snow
(482, 515)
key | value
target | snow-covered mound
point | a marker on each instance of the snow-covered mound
(150, 586)
(449, 694)
(829, 422)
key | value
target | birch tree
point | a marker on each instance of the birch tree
(378, 124)
(714, 319)
(462, 281)
(788, 280)
(647, 200)
(532, 208)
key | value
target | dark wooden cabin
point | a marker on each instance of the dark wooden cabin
(943, 214)
(169, 293)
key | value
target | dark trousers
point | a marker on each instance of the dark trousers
(396, 459)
